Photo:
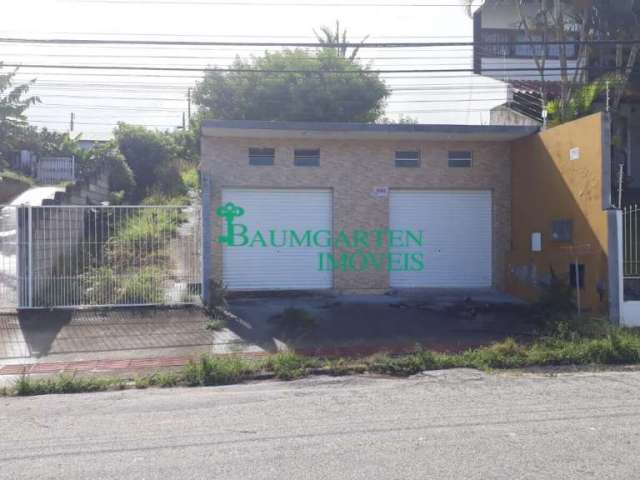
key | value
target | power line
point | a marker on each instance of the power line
(253, 35)
(246, 3)
(209, 57)
(77, 41)
(279, 71)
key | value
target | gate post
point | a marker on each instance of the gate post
(616, 267)
(30, 257)
(206, 237)
(20, 267)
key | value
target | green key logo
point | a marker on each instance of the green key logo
(356, 250)
(229, 211)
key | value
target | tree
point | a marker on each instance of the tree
(293, 85)
(580, 104)
(619, 20)
(13, 104)
(44, 142)
(337, 41)
(552, 20)
(106, 158)
(150, 155)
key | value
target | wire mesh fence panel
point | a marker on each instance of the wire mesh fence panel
(113, 256)
(631, 246)
(10, 274)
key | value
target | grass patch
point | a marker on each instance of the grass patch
(289, 365)
(616, 347)
(27, 386)
(17, 176)
(209, 370)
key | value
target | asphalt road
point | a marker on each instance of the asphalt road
(454, 425)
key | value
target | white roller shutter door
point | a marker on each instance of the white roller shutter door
(284, 268)
(457, 245)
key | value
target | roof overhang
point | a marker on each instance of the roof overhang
(364, 131)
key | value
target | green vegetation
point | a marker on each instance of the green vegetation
(289, 365)
(156, 159)
(134, 257)
(294, 95)
(26, 386)
(12, 184)
(615, 347)
(219, 370)
(216, 324)
(191, 179)
(16, 176)
(14, 103)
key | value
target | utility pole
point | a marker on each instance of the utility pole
(71, 122)
(183, 122)
(189, 106)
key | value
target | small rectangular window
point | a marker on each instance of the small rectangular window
(261, 156)
(306, 158)
(460, 159)
(407, 158)
(573, 280)
(562, 231)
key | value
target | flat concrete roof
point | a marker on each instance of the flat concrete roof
(371, 131)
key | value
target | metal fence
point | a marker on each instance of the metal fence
(10, 278)
(631, 247)
(52, 170)
(72, 256)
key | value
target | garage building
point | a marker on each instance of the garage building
(358, 207)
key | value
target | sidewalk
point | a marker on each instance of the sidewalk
(140, 334)
(143, 339)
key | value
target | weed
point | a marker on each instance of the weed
(63, 383)
(144, 286)
(216, 324)
(191, 373)
(618, 346)
(343, 366)
(289, 365)
(142, 383)
(165, 379)
(191, 179)
(410, 364)
(210, 370)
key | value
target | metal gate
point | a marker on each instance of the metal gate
(631, 247)
(10, 278)
(73, 256)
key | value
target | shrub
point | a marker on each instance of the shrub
(142, 287)
(165, 379)
(191, 179)
(505, 354)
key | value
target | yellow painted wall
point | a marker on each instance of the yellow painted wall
(547, 186)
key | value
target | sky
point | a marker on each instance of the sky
(101, 98)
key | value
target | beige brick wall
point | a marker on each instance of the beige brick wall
(352, 169)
